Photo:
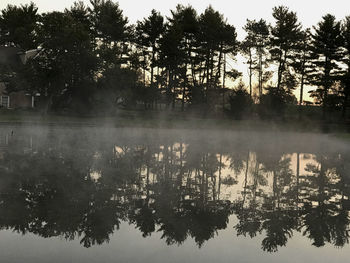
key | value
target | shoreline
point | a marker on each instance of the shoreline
(178, 123)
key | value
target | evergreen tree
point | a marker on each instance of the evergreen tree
(216, 38)
(148, 34)
(301, 61)
(240, 101)
(18, 26)
(285, 37)
(346, 61)
(325, 57)
(172, 60)
(63, 72)
(254, 46)
(111, 30)
(186, 19)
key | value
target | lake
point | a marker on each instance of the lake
(73, 194)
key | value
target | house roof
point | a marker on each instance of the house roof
(13, 56)
(24, 56)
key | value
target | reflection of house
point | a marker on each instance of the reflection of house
(12, 58)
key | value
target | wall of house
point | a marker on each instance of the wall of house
(2, 88)
(15, 58)
(2, 93)
(20, 100)
(17, 99)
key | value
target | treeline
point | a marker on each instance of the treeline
(92, 59)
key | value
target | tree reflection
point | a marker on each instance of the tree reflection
(63, 186)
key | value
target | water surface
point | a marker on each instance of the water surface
(127, 195)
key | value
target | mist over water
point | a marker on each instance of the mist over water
(157, 195)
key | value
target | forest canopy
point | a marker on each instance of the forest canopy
(91, 58)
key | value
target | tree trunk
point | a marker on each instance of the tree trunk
(326, 87)
(223, 84)
(173, 92)
(218, 73)
(168, 90)
(152, 64)
(219, 184)
(184, 89)
(48, 105)
(260, 73)
(250, 73)
(298, 172)
(245, 181)
(346, 93)
(301, 94)
(207, 64)
(346, 98)
(283, 59)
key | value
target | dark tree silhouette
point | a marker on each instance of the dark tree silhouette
(240, 101)
(18, 26)
(346, 60)
(285, 37)
(254, 46)
(325, 55)
(90, 60)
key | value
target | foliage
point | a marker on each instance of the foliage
(240, 102)
(91, 55)
(325, 55)
(273, 104)
(18, 25)
(254, 47)
(346, 60)
(285, 37)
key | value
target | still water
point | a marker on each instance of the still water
(127, 195)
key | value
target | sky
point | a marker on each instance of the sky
(309, 12)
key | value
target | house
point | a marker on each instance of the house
(12, 58)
